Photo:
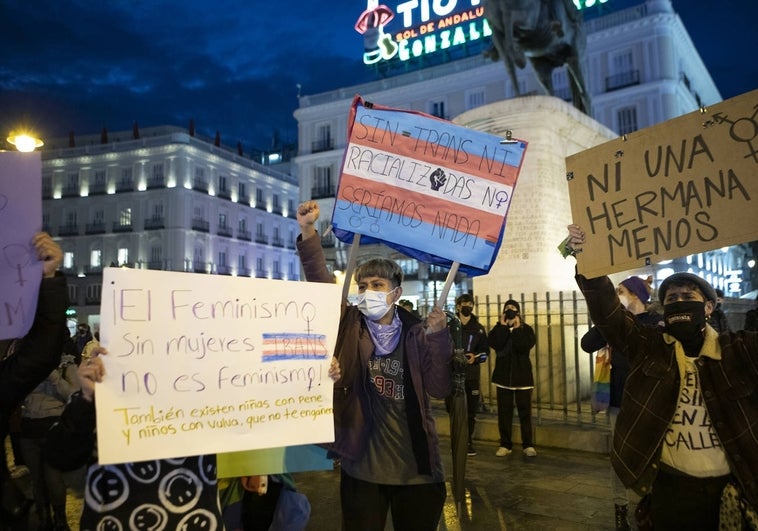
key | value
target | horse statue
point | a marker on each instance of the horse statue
(549, 33)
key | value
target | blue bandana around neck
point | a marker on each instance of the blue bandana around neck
(385, 337)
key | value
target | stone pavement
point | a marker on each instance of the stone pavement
(560, 489)
(557, 490)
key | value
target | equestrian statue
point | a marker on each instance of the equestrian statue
(549, 33)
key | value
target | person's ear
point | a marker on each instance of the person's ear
(709, 306)
(398, 294)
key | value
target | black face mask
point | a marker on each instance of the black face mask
(686, 321)
(510, 314)
(466, 311)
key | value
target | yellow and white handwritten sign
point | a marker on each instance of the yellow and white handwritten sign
(206, 364)
(685, 186)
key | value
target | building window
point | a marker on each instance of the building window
(156, 253)
(222, 221)
(323, 140)
(474, 99)
(222, 258)
(241, 192)
(437, 108)
(96, 258)
(47, 187)
(259, 202)
(94, 292)
(627, 120)
(122, 256)
(322, 182)
(125, 217)
(68, 260)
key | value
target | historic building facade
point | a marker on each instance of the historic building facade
(168, 201)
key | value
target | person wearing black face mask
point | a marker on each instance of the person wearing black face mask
(474, 339)
(685, 433)
(512, 339)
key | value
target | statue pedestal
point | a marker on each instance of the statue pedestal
(528, 260)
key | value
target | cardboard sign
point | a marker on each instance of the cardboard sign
(20, 219)
(426, 187)
(201, 364)
(685, 186)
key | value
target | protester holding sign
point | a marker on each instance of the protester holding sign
(686, 429)
(634, 295)
(391, 363)
(27, 361)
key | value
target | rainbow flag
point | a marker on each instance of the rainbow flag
(433, 190)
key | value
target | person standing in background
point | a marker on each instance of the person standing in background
(474, 340)
(717, 319)
(512, 339)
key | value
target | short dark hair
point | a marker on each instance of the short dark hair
(465, 297)
(382, 268)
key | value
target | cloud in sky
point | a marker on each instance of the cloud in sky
(234, 66)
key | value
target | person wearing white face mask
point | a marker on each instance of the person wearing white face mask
(391, 363)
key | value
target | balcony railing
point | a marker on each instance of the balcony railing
(125, 185)
(223, 269)
(200, 185)
(325, 144)
(261, 273)
(98, 227)
(155, 264)
(261, 238)
(70, 229)
(71, 190)
(97, 188)
(122, 227)
(277, 242)
(243, 271)
(224, 193)
(624, 79)
(201, 225)
(243, 234)
(156, 182)
(224, 231)
(155, 223)
(93, 269)
(319, 192)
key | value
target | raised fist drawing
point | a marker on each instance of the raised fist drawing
(438, 179)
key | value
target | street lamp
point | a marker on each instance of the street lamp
(24, 142)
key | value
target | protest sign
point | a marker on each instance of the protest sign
(20, 219)
(682, 187)
(202, 364)
(426, 187)
(291, 459)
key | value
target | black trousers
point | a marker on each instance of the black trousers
(681, 502)
(413, 507)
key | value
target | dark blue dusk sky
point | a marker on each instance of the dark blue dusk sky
(232, 65)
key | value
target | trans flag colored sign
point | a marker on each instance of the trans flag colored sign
(433, 190)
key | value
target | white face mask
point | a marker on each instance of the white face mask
(373, 304)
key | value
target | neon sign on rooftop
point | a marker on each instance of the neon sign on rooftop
(419, 27)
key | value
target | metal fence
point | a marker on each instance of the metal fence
(563, 372)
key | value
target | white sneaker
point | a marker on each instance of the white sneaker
(530, 452)
(502, 451)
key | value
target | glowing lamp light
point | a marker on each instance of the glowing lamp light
(24, 143)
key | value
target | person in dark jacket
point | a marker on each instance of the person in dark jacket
(718, 319)
(391, 363)
(634, 294)
(163, 493)
(686, 432)
(474, 340)
(26, 362)
(512, 339)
